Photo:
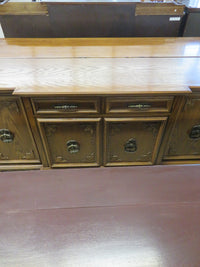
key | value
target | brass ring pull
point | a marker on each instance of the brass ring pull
(139, 106)
(195, 132)
(73, 146)
(130, 146)
(6, 136)
(67, 107)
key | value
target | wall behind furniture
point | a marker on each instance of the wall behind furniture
(1, 32)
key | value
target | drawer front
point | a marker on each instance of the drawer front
(132, 141)
(16, 142)
(71, 142)
(138, 105)
(185, 140)
(65, 105)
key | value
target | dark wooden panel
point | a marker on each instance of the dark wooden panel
(26, 26)
(90, 20)
(156, 26)
(192, 28)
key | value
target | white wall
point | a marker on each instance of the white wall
(1, 32)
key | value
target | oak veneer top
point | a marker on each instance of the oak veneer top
(99, 47)
(100, 66)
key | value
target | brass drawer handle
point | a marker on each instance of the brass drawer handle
(6, 136)
(67, 107)
(130, 146)
(195, 132)
(73, 146)
(139, 106)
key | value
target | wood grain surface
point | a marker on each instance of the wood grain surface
(24, 9)
(166, 66)
(99, 47)
(100, 76)
(159, 9)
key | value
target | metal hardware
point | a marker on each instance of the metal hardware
(139, 106)
(3, 2)
(73, 146)
(67, 107)
(130, 145)
(195, 132)
(6, 136)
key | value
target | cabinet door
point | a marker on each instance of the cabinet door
(185, 140)
(16, 142)
(71, 142)
(132, 141)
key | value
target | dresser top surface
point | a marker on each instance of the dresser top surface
(99, 65)
(99, 47)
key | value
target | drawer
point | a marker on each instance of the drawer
(65, 105)
(138, 104)
(71, 142)
(132, 141)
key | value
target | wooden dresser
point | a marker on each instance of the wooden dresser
(99, 102)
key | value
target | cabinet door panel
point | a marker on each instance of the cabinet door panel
(185, 140)
(130, 141)
(71, 142)
(16, 142)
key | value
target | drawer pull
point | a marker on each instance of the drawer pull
(73, 146)
(195, 132)
(139, 106)
(67, 107)
(6, 136)
(130, 146)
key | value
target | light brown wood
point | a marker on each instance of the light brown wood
(23, 9)
(145, 134)
(158, 9)
(66, 106)
(20, 147)
(34, 129)
(100, 76)
(57, 134)
(146, 65)
(171, 123)
(19, 167)
(103, 104)
(138, 105)
(183, 145)
(99, 47)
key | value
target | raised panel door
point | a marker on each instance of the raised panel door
(132, 141)
(16, 142)
(184, 143)
(71, 142)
